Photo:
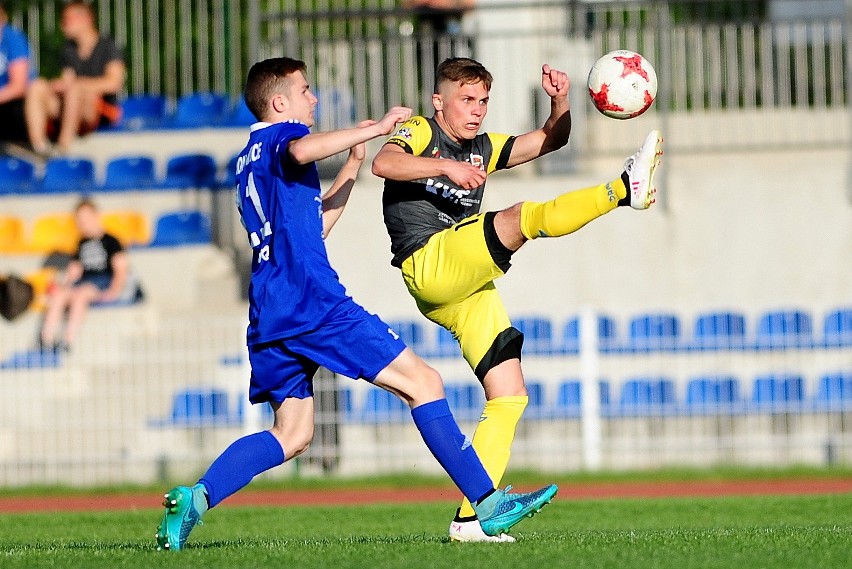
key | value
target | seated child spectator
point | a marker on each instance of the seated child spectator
(98, 272)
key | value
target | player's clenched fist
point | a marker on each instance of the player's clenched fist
(463, 174)
(554, 82)
(393, 117)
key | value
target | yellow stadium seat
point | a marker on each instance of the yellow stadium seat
(54, 232)
(11, 235)
(129, 227)
(41, 281)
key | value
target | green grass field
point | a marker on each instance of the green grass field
(766, 532)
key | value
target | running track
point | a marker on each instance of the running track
(333, 497)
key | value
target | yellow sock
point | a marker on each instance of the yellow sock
(571, 211)
(493, 439)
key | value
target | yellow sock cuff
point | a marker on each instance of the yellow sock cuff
(493, 438)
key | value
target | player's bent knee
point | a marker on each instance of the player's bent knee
(506, 346)
(293, 441)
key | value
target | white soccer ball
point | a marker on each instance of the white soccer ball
(622, 84)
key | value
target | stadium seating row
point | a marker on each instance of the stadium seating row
(58, 231)
(124, 173)
(639, 397)
(217, 110)
(727, 330)
(144, 112)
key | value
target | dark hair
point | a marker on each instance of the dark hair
(266, 78)
(85, 202)
(462, 70)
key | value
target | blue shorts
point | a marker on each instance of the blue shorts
(352, 342)
(101, 282)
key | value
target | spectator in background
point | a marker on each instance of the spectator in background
(439, 17)
(15, 72)
(85, 96)
(97, 273)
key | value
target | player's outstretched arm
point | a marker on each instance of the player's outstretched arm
(394, 163)
(337, 196)
(556, 130)
(317, 146)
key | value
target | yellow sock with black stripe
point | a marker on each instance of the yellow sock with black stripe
(493, 439)
(570, 211)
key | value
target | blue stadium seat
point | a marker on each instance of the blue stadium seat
(240, 115)
(536, 406)
(190, 171)
(344, 403)
(538, 334)
(199, 407)
(834, 392)
(647, 396)
(188, 227)
(607, 338)
(199, 110)
(652, 332)
(382, 406)
(568, 399)
(410, 332)
(16, 176)
(466, 400)
(229, 176)
(29, 359)
(784, 329)
(778, 392)
(129, 173)
(837, 328)
(712, 394)
(719, 331)
(142, 112)
(68, 175)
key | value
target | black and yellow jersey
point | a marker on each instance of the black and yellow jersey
(416, 210)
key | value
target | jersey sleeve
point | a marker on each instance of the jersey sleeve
(501, 145)
(413, 135)
(292, 131)
(112, 245)
(18, 47)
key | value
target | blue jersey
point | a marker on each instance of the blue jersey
(293, 288)
(13, 46)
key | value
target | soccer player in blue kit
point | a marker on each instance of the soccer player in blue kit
(300, 317)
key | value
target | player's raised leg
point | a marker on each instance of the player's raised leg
(247, 457)
(571, 211)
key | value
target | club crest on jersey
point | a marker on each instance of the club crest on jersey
(404, 132)
(477, 160)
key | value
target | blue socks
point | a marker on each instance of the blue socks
(249, 456)
(243, 460)
(452, 449)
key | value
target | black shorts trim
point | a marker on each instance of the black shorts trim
(506, 346)
(501, 254)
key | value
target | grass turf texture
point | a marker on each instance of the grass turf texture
(768, 532)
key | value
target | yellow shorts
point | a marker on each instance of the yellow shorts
(451, 278)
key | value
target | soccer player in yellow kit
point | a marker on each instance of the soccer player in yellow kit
(450, 253)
